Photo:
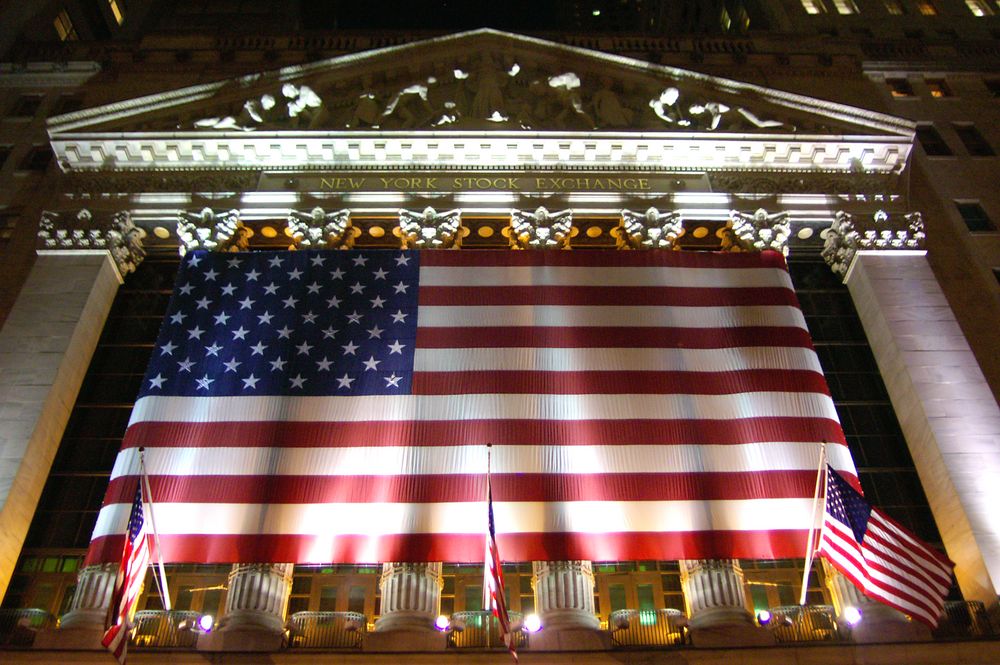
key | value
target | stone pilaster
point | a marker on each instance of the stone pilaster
(255, 609)
(411, 601)
(564, 599)
(717, 607)
(879, 623)
(83, 625)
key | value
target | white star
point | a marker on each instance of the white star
(232, 365)
(246, 303)
(360, 260)
(309, 317)
(284, 332)
(204, 382)
(271, 289)
(213, 350)
(323, 365)
(313, 288)
(233, 262)
(289, 301)
(265, 318)
(354, 318)
(317, 260)
(275, 261)
(298, 381)
(295, 273)
(193, 259)
(392, 381)
(221, 318)
(186, 289)
(350, 348)
(203, 303)
(253, 275)
(399, 316)
(240, 333)
(228, 290)
(380, 273)
(258, 349)
(371, 363)
(210, 275)
(396, 347)
(177, 318)
(303, 348)
(195, 333)
(157, 381)
(250, 382)
(357, 288)
(329, 333)
(345, 381)
(375, 333)
(167, 349)
(377, 302)
(401, 287)
(278, 364)
(337, 274)
(333, 302)
(402, 260)
(185, 365)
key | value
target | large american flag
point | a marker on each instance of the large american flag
(319, 406)
(128, 583)
(884, 560)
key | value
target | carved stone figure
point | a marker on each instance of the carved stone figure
(430, 229)
(667, 109)
(320, 229)
(608, 109)
(757, 232)
(410, 106)
(650, 230)
(540, 229)
(488, 99)
(843, 240)
(214, 231)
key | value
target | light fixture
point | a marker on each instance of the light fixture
(596, 12)
(763, 617)
(206, 622)
(441, 623)
(852, 615)
(532, 623)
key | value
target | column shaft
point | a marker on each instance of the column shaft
(411, 596)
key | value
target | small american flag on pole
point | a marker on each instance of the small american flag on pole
(885, 561)
(496, 598)
(128, 584)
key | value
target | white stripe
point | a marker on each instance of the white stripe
(376, 519)
(514, 276)
(481, 406)
(579, 360)
(408, 460)
(921, 556)
(908, 567)
(561, 316)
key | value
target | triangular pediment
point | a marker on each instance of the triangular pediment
(480, 80)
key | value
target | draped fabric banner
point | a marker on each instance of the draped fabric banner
(315, 407)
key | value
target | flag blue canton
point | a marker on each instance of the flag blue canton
(288, 323)
(846, 505)
(135, 518)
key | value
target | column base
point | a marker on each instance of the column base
(570, 639)
(241, 639)
(405, 639)
(727, 627)
(82, 638)
(884, 624)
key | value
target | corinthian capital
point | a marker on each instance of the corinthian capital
(211, 230)
(541, 229)
(430, 229)
(319, 229)
(881, 232)
(114, 232)
(757, 232)
(650, 230)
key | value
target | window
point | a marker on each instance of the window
(8, 222)
(894, 7)
(4, 154)
(899, 87)
(926, 8)
(37, 159)
(116, 11)
(979, 7)
(845, 6)
(993, 85)
(814, 6)
(26, 106)
(996, 273)
(974, 216)
(938, 88)
(932, 142)
(973, 140)
(64, 27)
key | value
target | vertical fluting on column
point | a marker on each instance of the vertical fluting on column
(89, 606)
(564, 594)
(257, 597)
(713, 591)
(411, 595)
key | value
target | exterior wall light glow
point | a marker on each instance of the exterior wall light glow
(763, 617)
(206, 622)
(441, 623)
(852, 615)
(532, 623)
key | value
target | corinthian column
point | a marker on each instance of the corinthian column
(83, 625)
(878, 623)
(718, 616)
(564, 599)
(255, 609)
(411, 600)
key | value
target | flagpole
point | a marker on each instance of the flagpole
(812, 526)
(165, 592)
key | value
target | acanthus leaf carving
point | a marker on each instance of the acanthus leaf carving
(541, 229)
(210, 230)
(117, 234)
(844, 239)
(319, 229)
(430, 229)
(650, 230)
(758, 231)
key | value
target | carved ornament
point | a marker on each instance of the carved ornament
(883, 232)
(430, 229)
(116, 233)
(319, 229)
(649, 230)
(211, 230)
(757, 232)
(540, 229)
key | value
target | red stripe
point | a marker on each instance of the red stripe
(504, 257)
(940, 559)
(859, 583)
(905, 558)
(471, 487)
(625, 382)
(468, 548)
(480, 432)
(662, 296)
(576, 337)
